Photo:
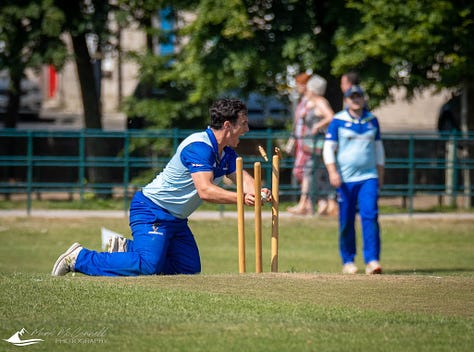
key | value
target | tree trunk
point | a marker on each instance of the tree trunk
(95, 147)
(14, 93)
(11, 119)
(90, 94)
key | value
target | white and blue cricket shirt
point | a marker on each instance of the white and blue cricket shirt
(173, 189)
(358, 145)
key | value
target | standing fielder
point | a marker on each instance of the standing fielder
(354, 157)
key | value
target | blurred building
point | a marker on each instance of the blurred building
(61, 90)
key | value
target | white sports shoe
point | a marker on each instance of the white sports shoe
(66, 261)
(117, 244)
(349, 268)
(373, 268)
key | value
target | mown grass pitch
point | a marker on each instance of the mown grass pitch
(424, 302)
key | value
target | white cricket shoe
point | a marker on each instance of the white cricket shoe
(373, 268)
(349, 268)
(106, 236)
(66, 261)
(117, 244)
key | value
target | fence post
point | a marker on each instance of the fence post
(466, 172)
(450, 171)
(29, 175)
(126, 168)
(175, 139)
(82, 161)
(411, 173)
(455, 163)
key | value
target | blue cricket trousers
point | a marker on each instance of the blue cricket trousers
(364, 196)
(162, 244)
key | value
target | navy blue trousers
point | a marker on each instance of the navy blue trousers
(162, 244)
(362, 196)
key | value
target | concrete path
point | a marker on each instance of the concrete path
(211, 214)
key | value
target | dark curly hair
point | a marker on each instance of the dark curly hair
(226, 110)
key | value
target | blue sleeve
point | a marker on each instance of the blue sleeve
(230, 157)
(198, 157)
(377, 135)
(332, 134)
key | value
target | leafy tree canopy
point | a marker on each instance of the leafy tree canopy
(411, 44)
(247, 46)
(29, 38)
(29, 35)
(258, 45)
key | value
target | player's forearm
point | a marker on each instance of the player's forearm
(218, 195)
(334, 177)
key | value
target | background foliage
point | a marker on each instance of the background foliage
(261, 45)
(253, 46)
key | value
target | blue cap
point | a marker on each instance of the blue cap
(353, 90)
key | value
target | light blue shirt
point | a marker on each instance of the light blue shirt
(356, 138)
(173, 189)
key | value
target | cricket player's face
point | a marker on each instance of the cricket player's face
(356, 101)
(240, 128)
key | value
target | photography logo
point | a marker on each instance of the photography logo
(16, 340)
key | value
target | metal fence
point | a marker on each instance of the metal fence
(110, 163)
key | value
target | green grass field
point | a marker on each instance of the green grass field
(423, 302)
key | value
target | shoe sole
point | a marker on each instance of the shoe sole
(376, 271)
(62, 256)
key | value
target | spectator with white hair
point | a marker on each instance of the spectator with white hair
(318, 116)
